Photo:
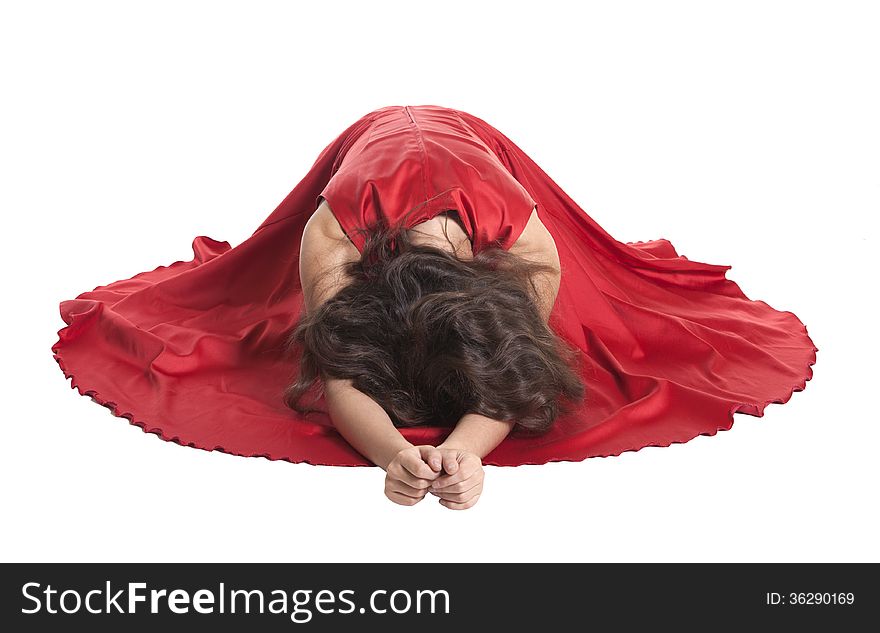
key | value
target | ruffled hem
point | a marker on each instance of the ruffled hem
(119, 412)
(201, 246)
(752, 409)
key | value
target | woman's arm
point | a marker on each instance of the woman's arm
(477, 434)
(536, 244)
(462, 452)
(363, 422)
(409, 470)
(324, 253)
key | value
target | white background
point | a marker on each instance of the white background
(747, 133)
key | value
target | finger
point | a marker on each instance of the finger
(432, 456)
(403, 475)
(402, 500)
(416, 466)
(452, 505)
(461, 497)
(450, 462)
(461, 486)
(395, 485)
(461, 491)
(462, 474)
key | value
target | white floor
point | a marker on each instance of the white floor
(746, 135)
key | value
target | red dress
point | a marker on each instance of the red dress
(193, 351)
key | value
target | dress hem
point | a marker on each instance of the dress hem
(752, 409)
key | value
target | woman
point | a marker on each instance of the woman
(450, 306)
(423, 322)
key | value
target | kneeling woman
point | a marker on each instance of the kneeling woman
(416, 329)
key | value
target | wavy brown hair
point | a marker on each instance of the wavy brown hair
(431, 337)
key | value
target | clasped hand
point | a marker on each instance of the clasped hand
(453, 475)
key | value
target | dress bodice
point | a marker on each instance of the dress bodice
(411, 162)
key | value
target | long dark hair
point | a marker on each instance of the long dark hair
(431, 337)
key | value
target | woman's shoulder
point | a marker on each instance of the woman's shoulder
(536, 242)
(324, 231)
(535, 233)
(323, 248)
(323, 223)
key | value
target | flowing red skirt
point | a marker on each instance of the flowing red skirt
(194, 351)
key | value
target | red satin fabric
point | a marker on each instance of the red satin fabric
(193, 351)
(428, 159)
